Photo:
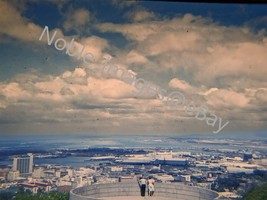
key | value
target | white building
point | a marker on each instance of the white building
(70, 172)
(23, 164)
(184, 178)
(116, 169)
(58, 173)
(38, 172)
(12, 175)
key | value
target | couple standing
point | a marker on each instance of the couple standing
(150, 183)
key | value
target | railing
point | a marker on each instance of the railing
(170, 190)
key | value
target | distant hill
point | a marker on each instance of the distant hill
(250, 135)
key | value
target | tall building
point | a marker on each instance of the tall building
(23, 164)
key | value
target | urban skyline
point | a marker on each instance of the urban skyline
(230, 167)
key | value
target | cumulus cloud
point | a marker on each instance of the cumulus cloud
(223, 66)
(261, 95)
(180, 84)
(124, 4)
(14, 25)
(62, 100)
(197, 45)
(77, 18)
(136, 31)
(140, 14)
(227, 98)
(135, 57)
(94, 45)
(91, 47)
(12, 93)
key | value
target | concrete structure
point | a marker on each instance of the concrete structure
(247, 157)
(159, 158)
(172, 161)
(38, 172)
(12, 175)
(23, 164)
(184, 178)
(4, 173)
(128, 191)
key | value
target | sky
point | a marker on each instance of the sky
(212, 54)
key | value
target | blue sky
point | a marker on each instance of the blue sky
(213, 53)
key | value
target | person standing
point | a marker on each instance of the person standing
(151, 186)
(142, 184)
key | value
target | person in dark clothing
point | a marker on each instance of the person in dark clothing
(142, 184)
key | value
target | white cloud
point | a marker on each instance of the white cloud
(76, 19)
(223, 98)
(223, 65)
(135, 57)
(140, 14)
(136, 31)
(124, 4)
(261, 95)
(211, 90)
(180, 84)
(12, 91)
(16, 26)
(94, 45)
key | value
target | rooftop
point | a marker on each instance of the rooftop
(137, 198)
(131, 191)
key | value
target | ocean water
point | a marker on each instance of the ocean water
(13, 145)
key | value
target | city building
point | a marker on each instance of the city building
(184, 178)
(4, 173)
(38, 172)
(23, 164)
(247, 157)
(12, 175)
(30, 186)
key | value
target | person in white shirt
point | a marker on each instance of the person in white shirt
(151, 186)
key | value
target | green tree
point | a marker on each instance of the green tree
(6, 195)
(258, 193)
(43, 196)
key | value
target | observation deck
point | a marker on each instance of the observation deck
(131, 191)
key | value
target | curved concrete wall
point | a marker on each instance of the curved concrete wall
(170, 190)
